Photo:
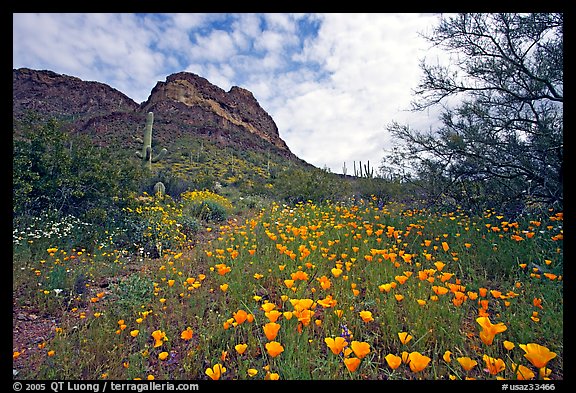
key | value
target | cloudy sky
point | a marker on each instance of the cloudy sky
(331, 82)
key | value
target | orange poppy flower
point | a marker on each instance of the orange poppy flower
(336, 345)
(299, 275)
(187, 334)
(273, 315)
(241, 348)
(324, 282)
(271, 330)
(268, 306)
(352, 364)
(439, 265)
(418, 362)
(509, 345)
(489, 330)
(405, 357)
(274, 348)
(494, 365)
(537, 302)
(550, 276)
(538, 355)
(393, 361)
(401, 279)
(223, 269)
(216, 371)
(366, 316)
(459, 298)
(304, 316)
(240, 316)
(446, 276)
(159, 338)
(271, 376)
(360, 348)
(523, 372)
(404, 337)
(336, 272)
(495, 293)
(467, 363)
(438, 290)
(328, 301)
(302, 304)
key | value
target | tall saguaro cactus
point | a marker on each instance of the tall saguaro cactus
(146, 154)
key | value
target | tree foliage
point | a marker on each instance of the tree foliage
(53, 170)
(500, 139)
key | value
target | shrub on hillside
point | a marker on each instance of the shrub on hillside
(205, 205)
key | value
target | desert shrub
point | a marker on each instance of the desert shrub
(153, 224)
(133, 291)
(295, 185)
(205, 205)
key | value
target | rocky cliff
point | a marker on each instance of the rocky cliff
(184, 105)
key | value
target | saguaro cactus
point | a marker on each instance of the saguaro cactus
(369, 173)
(146, 154)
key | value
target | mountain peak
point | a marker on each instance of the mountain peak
(235, 109)
(184, 104)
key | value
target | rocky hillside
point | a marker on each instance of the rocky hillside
(185, 106)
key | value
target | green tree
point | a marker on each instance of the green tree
(53, 170)
(500, 137)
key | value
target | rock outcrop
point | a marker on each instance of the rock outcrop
(184, 105)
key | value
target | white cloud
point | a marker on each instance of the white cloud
(216, 46)
(331, 82)
(109, 48)
(372, 63)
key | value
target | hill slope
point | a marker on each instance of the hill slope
(210, 134)
(185, 105)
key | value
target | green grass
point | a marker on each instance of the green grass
(185, 288)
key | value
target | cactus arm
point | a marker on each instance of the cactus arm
(160, 155)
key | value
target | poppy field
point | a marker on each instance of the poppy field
(353, 291)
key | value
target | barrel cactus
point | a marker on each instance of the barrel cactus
(159, 189)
